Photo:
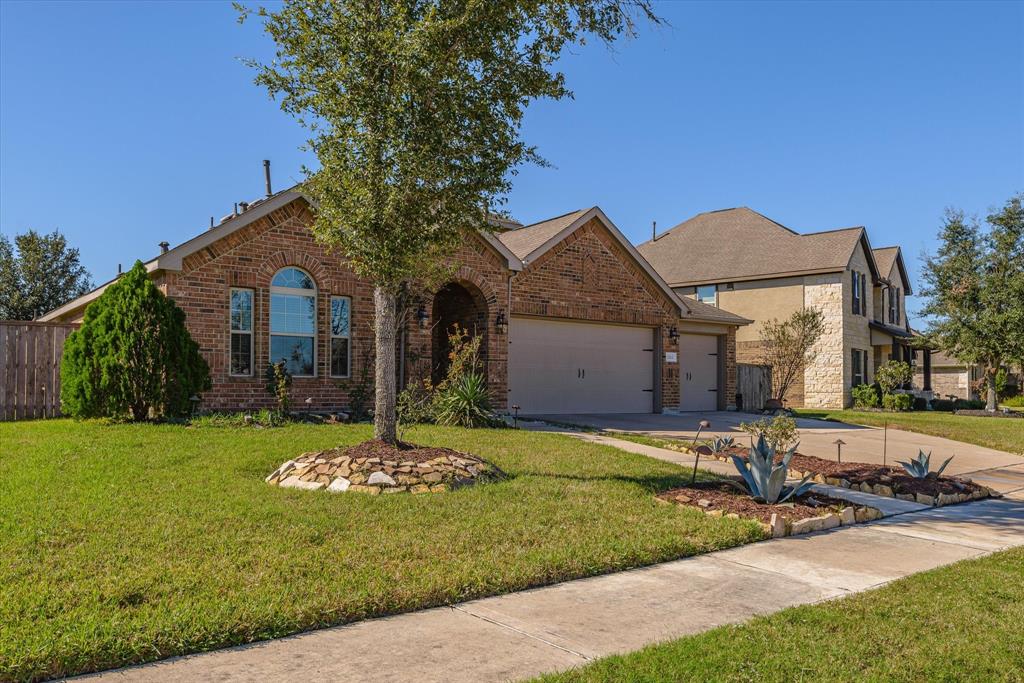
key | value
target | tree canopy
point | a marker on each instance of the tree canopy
(414, 110)
(39, 273)
(974, 289)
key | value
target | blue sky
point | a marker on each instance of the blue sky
(125, 124)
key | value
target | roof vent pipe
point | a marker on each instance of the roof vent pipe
(244, 206)
(654, 230)
(266, 175)
(211, 222)
(164, 246)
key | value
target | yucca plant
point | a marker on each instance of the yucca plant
(918, 467)
(764, 478)
(465, 403)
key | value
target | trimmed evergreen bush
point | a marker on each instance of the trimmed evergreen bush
(132, 357)
(897, 401)
(865, 396)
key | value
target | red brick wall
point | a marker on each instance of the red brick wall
(589, 276)
(251, 256)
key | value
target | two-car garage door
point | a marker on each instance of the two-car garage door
(567, 367)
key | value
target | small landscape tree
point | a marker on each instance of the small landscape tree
(414, 109)
(892, 375)
(789, 346)
(39, 273)
(974, 290)
(132, 356)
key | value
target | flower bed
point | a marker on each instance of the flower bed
(375, 467)
(804, 514)
(892, 482)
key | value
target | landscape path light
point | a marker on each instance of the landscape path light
(703, 424)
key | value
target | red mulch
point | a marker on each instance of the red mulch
(861, 472)
(726, 498)
(402, 452)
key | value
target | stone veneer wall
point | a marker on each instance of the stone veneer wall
(856, 332)
(823, 379)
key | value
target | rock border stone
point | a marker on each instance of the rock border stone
(336, 472)
(781, 526)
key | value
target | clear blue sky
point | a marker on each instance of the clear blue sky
(124, 124)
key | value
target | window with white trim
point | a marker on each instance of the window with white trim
(341, 326)
(241, 332)
(293, 321)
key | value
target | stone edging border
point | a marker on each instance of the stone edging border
(780, 526)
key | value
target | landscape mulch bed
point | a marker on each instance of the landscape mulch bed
(857, 475)
(711, 496)
(402, 452)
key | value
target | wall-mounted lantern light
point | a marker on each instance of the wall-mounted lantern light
(501, 323)
(422, 318)
(673, 333)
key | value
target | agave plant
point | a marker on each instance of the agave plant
(764, 478)
(918, 467)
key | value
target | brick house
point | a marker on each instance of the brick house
(760, 269)
(573, 319)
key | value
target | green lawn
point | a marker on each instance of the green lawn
(964, 622)
(128, 543)
(1000, 433)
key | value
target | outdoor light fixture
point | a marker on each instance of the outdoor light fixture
(193, 399)
(673, 333)
(839, 449)
(501, 322)
(515, 407)
(422, 318)
(703, 424)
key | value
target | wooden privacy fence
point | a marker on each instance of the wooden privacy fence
(754, 384)
(30, 368)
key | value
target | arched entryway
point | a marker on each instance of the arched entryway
(462, 304)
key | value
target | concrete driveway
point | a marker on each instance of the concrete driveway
(996, 469)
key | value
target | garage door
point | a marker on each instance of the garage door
(698, 372)
(566, 367)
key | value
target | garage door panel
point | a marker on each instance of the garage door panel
(698, 372)
(567, 367)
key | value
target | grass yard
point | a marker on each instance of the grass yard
(129, 543)
(964, 622)
(1003, 434)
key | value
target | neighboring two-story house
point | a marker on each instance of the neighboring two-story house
(759, 269)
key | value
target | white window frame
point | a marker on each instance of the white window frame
(274, 289)
(232, 332)
(332, 337)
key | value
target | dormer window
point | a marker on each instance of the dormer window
(708, 294)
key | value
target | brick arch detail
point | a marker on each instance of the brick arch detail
(467, 274)
(299, 259)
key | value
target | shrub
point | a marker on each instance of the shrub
(1015, 401)
(779, 432)
(920, 403)
(360, 393)
(897, 401)
(466, 403)
(279, 385)
(132, 356)
(892, 375)
(865, 396)
(416, 404)
(944, 405)
(969, 404)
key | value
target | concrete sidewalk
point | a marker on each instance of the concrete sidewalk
(565, 625)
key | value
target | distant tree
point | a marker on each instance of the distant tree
(132, 356)
(414, 109)
(788, 346)
(39, 273)
(974, 290)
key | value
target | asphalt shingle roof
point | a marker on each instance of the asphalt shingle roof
(524, 241)
(741, 244)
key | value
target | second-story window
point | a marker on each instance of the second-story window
(858, 293)
(708, 294)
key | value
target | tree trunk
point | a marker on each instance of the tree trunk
(990, 404)
(385, 303)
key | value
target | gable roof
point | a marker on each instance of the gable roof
(533, 241)
(732, 245)
(885, 257)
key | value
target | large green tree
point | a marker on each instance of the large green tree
(132, 356)
(414, 109)
(974, 290)
(38, 273)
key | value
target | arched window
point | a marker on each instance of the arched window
(293, 321)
